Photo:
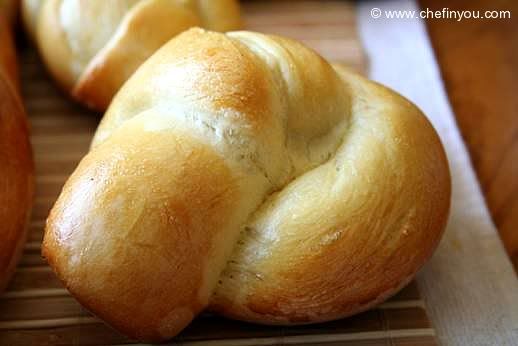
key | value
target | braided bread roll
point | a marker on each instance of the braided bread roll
(16, 166)
(92, 48)
(244, 173)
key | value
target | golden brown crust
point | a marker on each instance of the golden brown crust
(16, 166)
(132, 45)
(9, 9)
(335, 271)
(302, 192)
(8, 64)
(90, 61)
(148, 251)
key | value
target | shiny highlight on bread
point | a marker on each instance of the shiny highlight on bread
(245, 174)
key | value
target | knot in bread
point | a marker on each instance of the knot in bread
(244, 173)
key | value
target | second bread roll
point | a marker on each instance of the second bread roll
(91, 47)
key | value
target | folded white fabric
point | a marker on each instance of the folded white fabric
(469, 286)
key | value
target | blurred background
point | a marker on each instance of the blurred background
(478, 60)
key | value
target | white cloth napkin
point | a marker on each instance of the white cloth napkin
(469, 286)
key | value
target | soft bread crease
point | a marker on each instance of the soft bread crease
(245, 174)
(275, 273)
(163, 241)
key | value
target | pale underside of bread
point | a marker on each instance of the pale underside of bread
(91, 49)
(16, 167)
(245, 174)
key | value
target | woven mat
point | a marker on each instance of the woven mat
(37, 310)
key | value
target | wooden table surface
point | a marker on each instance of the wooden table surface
(479, 64)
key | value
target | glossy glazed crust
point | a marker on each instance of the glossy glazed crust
(16, 166)
(346, 243)
(244, 173)
(92, 61)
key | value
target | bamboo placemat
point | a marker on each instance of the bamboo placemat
(37, 310)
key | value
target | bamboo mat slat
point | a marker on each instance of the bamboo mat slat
(37, 310)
